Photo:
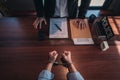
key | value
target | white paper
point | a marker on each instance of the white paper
(83, 41)
(54, 32)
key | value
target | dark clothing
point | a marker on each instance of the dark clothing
(49, 8)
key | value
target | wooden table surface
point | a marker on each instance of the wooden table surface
(23, 56)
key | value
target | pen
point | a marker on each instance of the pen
(58, 27)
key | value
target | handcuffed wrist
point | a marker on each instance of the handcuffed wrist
(70, 63)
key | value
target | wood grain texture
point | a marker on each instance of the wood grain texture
(23, 56)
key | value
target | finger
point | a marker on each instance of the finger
(35, 24)
(80, 26)
(65, 52)
(73, 22)
(56, 55)
(85, 25)
(69, 53)
(45, 21)
(35, 21)
(78, 22)
(40, 25)
(54, 51)
(50, 53)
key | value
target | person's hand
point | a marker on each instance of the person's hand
(80, 23)
(53, 56)
(67, 57)
(38, 22)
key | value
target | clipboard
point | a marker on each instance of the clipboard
(58, 28)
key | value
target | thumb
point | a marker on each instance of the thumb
(44, 20)
(40, 25)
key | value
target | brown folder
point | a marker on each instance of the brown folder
(80, 36)
(80, 33)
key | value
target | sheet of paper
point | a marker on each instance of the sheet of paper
(80, 36)
(58, 28)
(82, 41)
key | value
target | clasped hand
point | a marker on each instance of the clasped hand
(66, 56)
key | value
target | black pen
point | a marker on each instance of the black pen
(58, 27)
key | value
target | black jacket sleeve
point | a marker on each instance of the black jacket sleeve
(39, 7)
(83, 8)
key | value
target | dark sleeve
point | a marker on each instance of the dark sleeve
(83, 8)
(39, 7)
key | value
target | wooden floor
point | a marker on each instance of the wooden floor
(23, 56)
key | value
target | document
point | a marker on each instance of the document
(58, 28)
(80, 36)
(82, 41)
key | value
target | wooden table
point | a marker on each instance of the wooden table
(23, 56)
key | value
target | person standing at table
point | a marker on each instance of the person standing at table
(60, 8)
(72, 74)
